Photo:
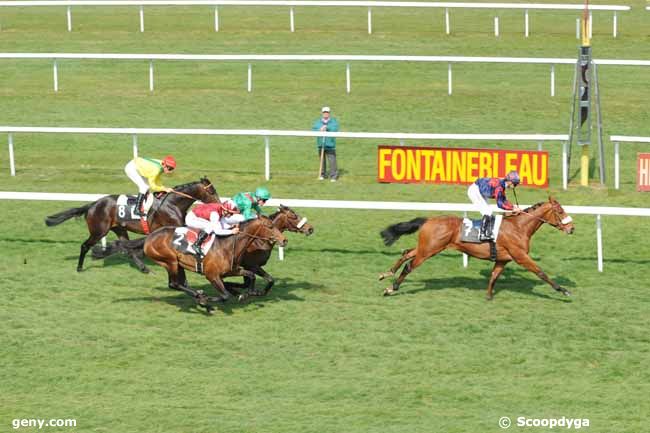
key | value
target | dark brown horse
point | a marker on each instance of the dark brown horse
(101, 215)
(223, 259)
(439, 233)
(258, 252)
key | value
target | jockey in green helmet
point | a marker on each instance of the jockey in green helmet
(250, 203)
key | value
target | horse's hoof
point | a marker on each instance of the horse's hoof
(384, 275)
(565, 292)
(489, 298)
(388, 291)
(242, 298)
(145, 270)
(79, 269)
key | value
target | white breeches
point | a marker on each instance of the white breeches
(191, 220)
(477, 199)
(132, 172)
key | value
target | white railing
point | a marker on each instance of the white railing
(266, 133)
(309, 58)
(617, 139)
(371, 205)
(369, 4)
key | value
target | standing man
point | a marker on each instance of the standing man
(327, 145)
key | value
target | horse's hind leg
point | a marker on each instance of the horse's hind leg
(86, 246)
(496, 271)
(123, 235)
(410, 267)
(406, 255)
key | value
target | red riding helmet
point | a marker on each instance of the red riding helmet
(230, 206)
(169, 161)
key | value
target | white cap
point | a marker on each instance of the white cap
(325, 109)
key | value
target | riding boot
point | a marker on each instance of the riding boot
(138, 205)
(489, 226)
(196, 246)
(486, 230)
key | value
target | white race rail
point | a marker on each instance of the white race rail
(369, 205)
(54, 57)
(266, 133)
(617, 139)
(366, 4)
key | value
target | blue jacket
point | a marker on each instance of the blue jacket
(493, 187)
(332, 126)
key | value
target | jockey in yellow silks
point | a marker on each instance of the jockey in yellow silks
(145, 173)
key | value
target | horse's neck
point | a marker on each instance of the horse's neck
(530, 224)
(279, 223)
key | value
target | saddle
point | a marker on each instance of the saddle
(126, 207)
(184, 237)
(470, 231)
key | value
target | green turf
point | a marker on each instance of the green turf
(324, 352)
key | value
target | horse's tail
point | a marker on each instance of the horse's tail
(392, 233)
(58, 218)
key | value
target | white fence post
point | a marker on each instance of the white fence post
(141, 19)
(135, 146)
(347, 78)
(267, 158)
(447, 27)
(599, 241)
(449, 79)
(12, 164)
(250, 78)
(465, 256)
(590, 25)
(540, 143)
(496, 26)
(151, 75)
(369, 21)
(291, 20)
(281, 253)
(69, 16)
(577, 28)
(565, 165)
(526, 24)
(216, 18)
(56, 76)
(552, 80)
(615, 31)
(617, 173)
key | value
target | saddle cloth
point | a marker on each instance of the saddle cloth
(126, 206)
(184, 237)
(470, 230)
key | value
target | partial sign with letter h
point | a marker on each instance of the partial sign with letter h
(643, 172)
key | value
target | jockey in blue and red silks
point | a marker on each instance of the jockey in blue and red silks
(492, 187)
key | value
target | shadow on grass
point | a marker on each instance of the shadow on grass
(510, 280)
(280, 292)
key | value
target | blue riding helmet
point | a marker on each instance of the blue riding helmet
(513, 177)
(262, 193)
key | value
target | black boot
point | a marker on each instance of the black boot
(196, 246)
(486, 227)
(138, 205)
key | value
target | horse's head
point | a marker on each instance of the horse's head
(202, 190)
(286, 219)
(557, 217)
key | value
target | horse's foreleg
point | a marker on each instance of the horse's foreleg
(527, 262)
(496, 271)
(123, 235)
(406, 255)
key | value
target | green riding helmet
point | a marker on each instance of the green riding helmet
(262, 193)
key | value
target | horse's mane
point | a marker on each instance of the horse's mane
(533, 207)
(185, 185)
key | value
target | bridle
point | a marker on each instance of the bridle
(563, 222)
(293, 226)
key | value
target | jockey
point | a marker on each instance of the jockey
(145, 173)
(249, 203)
(212, 218)
(492, 187)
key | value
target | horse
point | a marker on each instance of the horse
(513, 243)
(222, 259)
(258, 252)
(102, 215)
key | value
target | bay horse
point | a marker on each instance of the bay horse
(258, 252)
(222, 259)
(101, 215)
(513, 243)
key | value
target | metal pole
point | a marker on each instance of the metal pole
(347, 78)
(267, 158)
(135, 146)
(526, 24)
(552, 80)
(617, 173)
(591, 24)
(447, 27)
(56, 76)
(539, 145)
(599, 241)
(216, 18)
(250, 78)
(141, 19)
(12, 163)
(69, 14)
(599, 125)
(449, 79)
(465, 256)
(291, 20)
(565, 166)
(151, 75)
(369, 21)
(615, 24)
(496, 26)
